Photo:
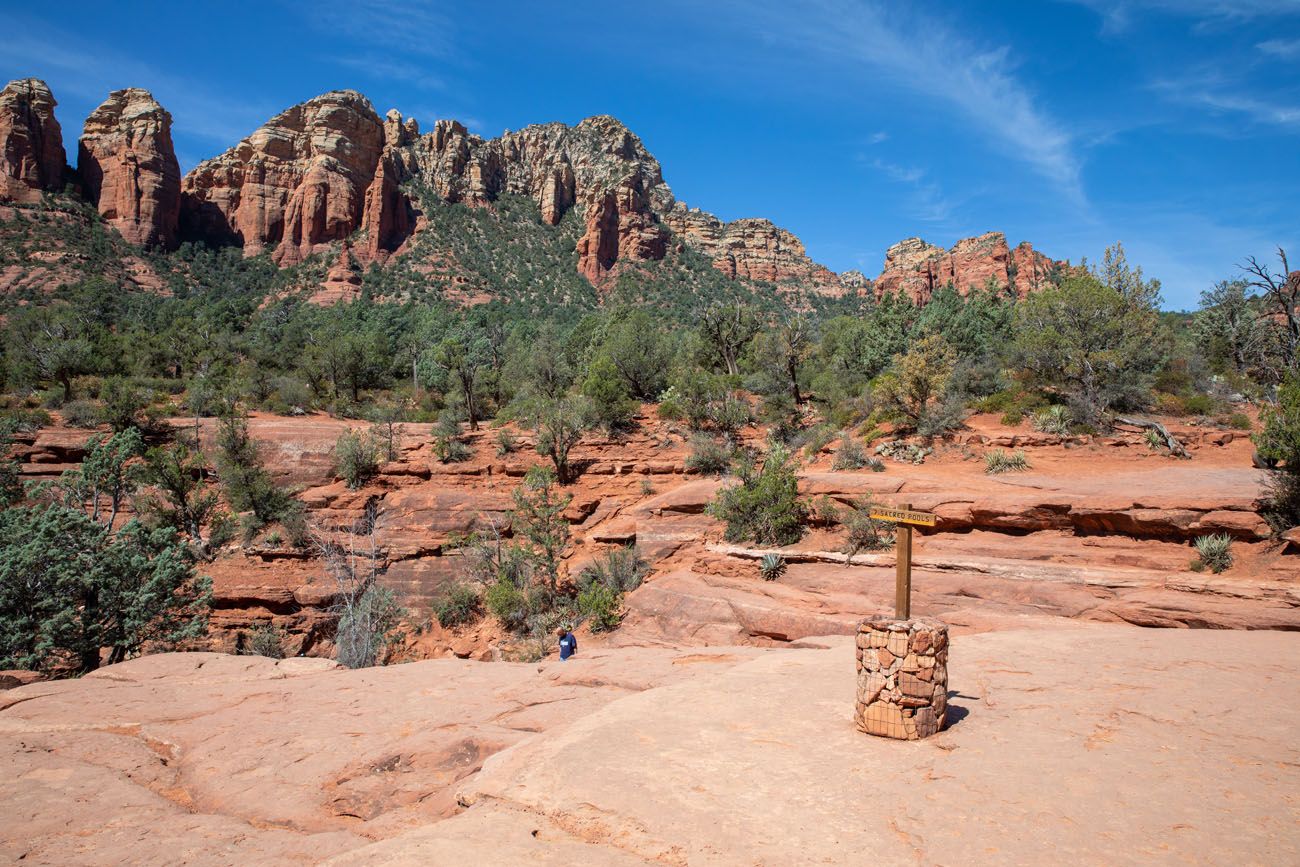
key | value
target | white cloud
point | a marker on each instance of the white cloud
(927, 201)
(1287, 49)
(878, 137)
(1224, 95)
(413, 27)
(1118, 15)
(924, 55)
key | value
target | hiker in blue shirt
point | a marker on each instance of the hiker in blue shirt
(568, 644)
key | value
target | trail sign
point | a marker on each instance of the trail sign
(904, 518)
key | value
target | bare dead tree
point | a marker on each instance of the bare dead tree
(1282, 300)
(366, 610)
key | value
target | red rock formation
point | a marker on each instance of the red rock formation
(129, 169)
(294, 185)
(749, 249)
(918, 269)
(31, 143)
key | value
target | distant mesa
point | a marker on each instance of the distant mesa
(330, 170)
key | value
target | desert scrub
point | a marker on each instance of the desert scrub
(850, 455)
(621, 570)
(771, 567)
(865, 533)
(999, 461)
(815, 440)
(266, 640)
(356, 455)
(601, 607)
(1236, 421)
(81, 413)
(1213, 552)
(1052, 420)
(459, 604)
(507, 444)
(1154, 440)
(765, 507)
(708, 456)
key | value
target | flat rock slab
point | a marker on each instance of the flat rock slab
(1087, 744)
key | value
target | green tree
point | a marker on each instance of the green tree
(635, 348)
(560, 425)
(725, 330)
(765, 507)
(538, 520)
(1089, 342)
(1279, 442)
(106, 476)
(917, 379)
(70, 587)
(1229, 328)
(49, 343)
(248, 486)
(612, 406)
(183, 495)
(464, 356)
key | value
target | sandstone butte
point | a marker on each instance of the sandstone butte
(330, 177)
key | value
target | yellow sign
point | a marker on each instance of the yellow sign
(904, 516)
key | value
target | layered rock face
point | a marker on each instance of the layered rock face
(31, 143)
(749, 249)
(918, 269)
(294, 185)
(128, 167)
(326, 168)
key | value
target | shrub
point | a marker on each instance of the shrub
(670, 405)
(817, 439)
(600, 606)
(507, 444)
(865, 533)
(999, 461)
(764, 508)
(1154, 440)
(1279, 441)
(1214, 552)
(81, 413)
(850, 455)
(621, 570)
(708, 456)
(1198, 404)
(356, 456)
(1013, 418)
(771, 567)
(448, 447)
(1236, 421)
(508, 604)
(457, 605)
(1052, 419)
(266, 640)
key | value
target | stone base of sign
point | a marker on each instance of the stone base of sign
(902, 677)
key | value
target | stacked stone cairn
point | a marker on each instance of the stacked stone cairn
(902, 677)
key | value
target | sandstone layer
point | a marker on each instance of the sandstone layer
(128, 167)
(32, 158)
(1112, 744)
(917, 269)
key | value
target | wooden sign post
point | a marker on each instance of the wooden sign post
(905, 518)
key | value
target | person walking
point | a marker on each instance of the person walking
(568, 644)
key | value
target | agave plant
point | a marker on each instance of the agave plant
(1214, 552)
(771, 567)
(998, 461)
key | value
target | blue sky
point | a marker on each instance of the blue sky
(1172, 125)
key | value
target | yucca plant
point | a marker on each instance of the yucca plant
(1213, 552)
(771, 567)
(1053, 420)
(1155, 441)
(999, 461)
